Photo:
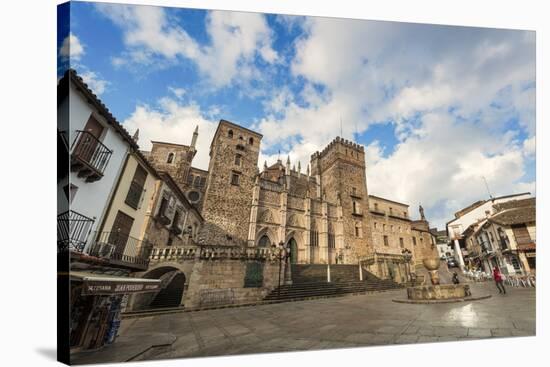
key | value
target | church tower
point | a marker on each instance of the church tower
(340, 172)
(232, 172)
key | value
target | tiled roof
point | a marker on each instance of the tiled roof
(525, 214)
(62, 90)
(512, 204)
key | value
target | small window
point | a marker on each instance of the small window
(163, 207)
(238, 159)
(391, 210)
(170, 158)
(414, 241)
(193, 196)
(197, 181)
(375, 225)
(353, 191)
(391, 228)
(386, 241)
(203, 181)
(251, 141)
(235, 179)
(190, 179)
(230, 134)
(404, 214)
(401, 242)
(240, 147)
(241, 137)
(376, 206)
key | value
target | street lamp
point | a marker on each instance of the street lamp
(282, 253)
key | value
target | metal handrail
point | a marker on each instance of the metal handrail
(73, 229)
(91, 150)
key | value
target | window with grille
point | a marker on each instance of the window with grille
(235, 179)
(314, 238)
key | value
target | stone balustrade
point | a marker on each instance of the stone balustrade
(206, 252)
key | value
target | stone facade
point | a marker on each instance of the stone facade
(323, 214)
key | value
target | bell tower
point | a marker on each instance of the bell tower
(232, 172)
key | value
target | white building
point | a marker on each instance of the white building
(472, 214)
(98, 146)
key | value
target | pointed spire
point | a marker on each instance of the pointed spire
(265, 165)
(299, 167)
(195, 136)
(135, 138)
(307, 170)
(294, 167)
(287, 171)
(288, 159)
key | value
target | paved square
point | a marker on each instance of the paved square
(351, 321)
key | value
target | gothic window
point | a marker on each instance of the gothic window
(251, 141)
(197, 182)
(264, 241)
(203, 181)
(238, 159)
(190, 179)
(170, 158)
(230, 134)
(235, 179)
(314, 238)
(193, 196)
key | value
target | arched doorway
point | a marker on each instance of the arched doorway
(171, 294)
(293, 246)
(264, 241)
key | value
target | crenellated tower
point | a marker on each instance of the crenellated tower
(340, 172)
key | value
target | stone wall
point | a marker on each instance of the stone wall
(216, 283)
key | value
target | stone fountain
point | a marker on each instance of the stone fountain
(436, 292)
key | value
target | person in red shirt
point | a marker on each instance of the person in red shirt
(497, 276)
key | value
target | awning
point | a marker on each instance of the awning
(103, 284)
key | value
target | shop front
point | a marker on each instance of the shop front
(97, 301)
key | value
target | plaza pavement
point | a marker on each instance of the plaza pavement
(343, 322)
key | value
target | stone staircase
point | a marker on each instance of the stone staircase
(310, 281)
(170, 296)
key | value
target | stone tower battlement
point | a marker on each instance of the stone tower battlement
(339, 142)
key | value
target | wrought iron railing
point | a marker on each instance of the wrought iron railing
(190, 252)
(90, 150)
(72, 231)
(120, 247)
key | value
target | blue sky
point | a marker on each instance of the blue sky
(436, 107)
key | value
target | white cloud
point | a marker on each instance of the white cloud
(449, 92)
(93, 79)
(173, 122)
(236, 39)
(71, 48)
(178, 92)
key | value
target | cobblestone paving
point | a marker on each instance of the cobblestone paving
(351, 321)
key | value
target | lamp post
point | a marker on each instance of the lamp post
(282, 253)
(407, 255)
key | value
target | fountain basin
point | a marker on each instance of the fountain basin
(445, 293)
(438, 292)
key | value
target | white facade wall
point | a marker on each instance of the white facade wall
(91, 198)
(459, 225)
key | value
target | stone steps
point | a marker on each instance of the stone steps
(310, 282)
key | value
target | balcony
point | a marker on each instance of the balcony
(72, 231)
(123, 250)
(377, 211)
(89, 156)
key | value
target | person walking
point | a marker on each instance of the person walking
(455, 278)
(497, 276)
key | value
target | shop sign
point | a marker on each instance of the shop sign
(530, 254)
(109, 287)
